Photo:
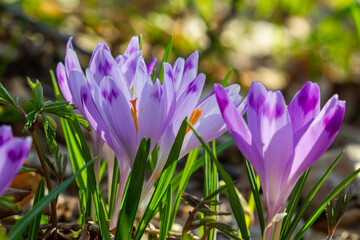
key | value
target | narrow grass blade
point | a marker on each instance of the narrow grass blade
(131, 202)
(211, 182)
(293, 201)
(236, 206)
(114, 189)
(227, 77)
(162, 183)
(166, 57)
(255, 191)
(187, 171)
(318, 211)
(34, 227)
(20, 226)
(165, 218)
(308, 199)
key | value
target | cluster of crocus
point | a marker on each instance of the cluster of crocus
(282, 141)
(123, 104)
(13, 152)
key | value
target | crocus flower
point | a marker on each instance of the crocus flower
(120, 101)
(13, 152)
(205, 115)
(282, 141)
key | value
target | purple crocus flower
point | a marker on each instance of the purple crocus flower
(13, 152)
(204, 115)
(120, 101)
(282, 141)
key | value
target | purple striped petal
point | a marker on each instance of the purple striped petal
(210, 124)
(188, 100)
(178, 69)
(71, 59)
(120, 121)
(304, 107)
(319, 136)
(99, 47)
(151, 65)
(256, 99)
(63, 82)
(238, 128)
(277, 141)
(5, 134)
(132, 46)
(151, 113)
(142, 78)
(190, 70)
(76, 81)
(13, 154)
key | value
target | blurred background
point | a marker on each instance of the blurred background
(282, 43)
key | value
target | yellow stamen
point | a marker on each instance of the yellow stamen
(195, 115)
(133, 112)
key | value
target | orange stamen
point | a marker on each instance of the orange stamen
(195, 115)
(133, 112)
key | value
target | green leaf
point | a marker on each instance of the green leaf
(20, 226)
(162, 183)
(320, 209)
(26, 169)
(165, 58)
(165, 216)
(227, 77)
(187, 171)
(255, 191)
(37, 92)
(293, 201)
(50, 134)
(6, 97)
(132, 198)
(235, 203)
(308, 199)
(34, 227)
(114, 188)
(31, 116)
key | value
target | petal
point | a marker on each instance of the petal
(178, 69)
(129, 66)
(116, 113)
(76, 81)
(319, 136)
(169, 90)
(151, 65)
(238, 129)
(190, 70)
(71, 59)
(210, 124)
(5, 134)
(63, 81)
(96, 121)
(304, 107)
(132, 46)
(277, 140)
(188, 100)
(13, 154)
(107, 66)
(256, 98)
(99, 47)
(151, 113)
(142, 78)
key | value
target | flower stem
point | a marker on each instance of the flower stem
(53, 215)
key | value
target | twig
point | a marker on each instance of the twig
(53, 215)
